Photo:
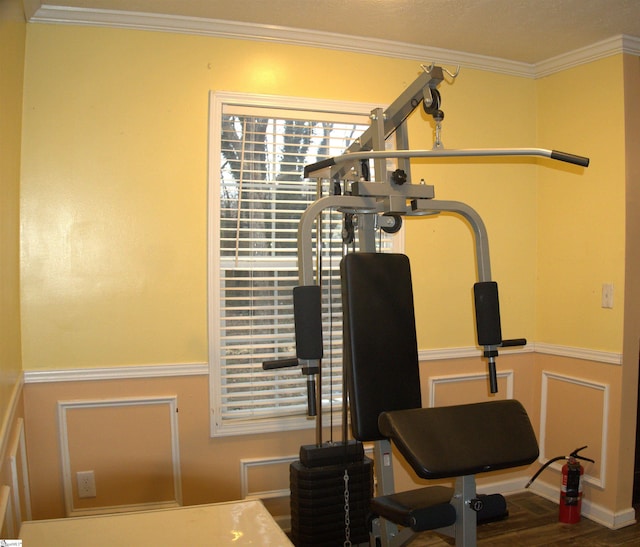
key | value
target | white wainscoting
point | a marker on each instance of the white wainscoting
(19, 473)
(435, 381)
(601, 459)
(247, 464)
(64, 407)
(6, 514)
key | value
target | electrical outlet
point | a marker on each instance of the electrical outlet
(607, 295)
(86, 484)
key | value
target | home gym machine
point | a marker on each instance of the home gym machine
(380, 355)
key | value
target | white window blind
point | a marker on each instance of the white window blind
(259, 147)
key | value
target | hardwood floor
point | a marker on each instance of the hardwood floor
(533, 521)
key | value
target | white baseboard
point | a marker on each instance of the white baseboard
(590, 510)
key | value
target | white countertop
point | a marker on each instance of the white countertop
(232, 523)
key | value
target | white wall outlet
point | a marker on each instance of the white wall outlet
(607, 295)
(86, 484)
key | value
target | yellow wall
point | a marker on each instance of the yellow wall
(114, 181)
(502, 192)
(12, 47)
(114, 188)
(581, 222)
(12, 55)
(585, 235)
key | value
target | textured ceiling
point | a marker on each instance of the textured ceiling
(528, 31)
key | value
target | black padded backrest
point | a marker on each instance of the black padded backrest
(380, 345)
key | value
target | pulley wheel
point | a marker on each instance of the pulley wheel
(395, 227)
(435, 104)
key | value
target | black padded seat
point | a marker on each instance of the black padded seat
(430, 508)
(420, 509)
(462, 440)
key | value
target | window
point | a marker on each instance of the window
(258, 148)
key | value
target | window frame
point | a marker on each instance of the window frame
(220, 427)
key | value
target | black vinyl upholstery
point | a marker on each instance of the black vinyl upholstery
(383, 378)
(459, 440)
(381, 349)
(421, 509)
(383, 381)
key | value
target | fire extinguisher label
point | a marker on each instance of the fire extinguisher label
(572, 484)
(571, 487)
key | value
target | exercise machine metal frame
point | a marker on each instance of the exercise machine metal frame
(395, 195)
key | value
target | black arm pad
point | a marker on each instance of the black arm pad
(307, 312)
(487, 313)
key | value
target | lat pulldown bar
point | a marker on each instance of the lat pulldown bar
(312, 169)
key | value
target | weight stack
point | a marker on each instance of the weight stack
(318, 515)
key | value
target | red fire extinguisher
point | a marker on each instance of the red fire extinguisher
(571, 489)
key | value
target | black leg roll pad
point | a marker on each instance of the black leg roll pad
(494, 507)
(422, 509)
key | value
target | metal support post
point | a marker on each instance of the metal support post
(466, 522)
(385, 486)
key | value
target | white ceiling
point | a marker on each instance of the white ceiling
(527, 31)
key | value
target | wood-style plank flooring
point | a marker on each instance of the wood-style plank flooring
(533, 521)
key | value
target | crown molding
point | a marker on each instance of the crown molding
(311, 38)
(274, 34)
(285, 35)
(605, 48)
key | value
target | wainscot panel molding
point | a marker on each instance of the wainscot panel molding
(435, 381)
(6, 514)
(442, 354)
(606, 357)
(19, 473)
(291, 36)
(15, 496)
(116, 373)
(202, 369)
(66, 407)
(10, 415)
(246, 464)
(603, 389)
